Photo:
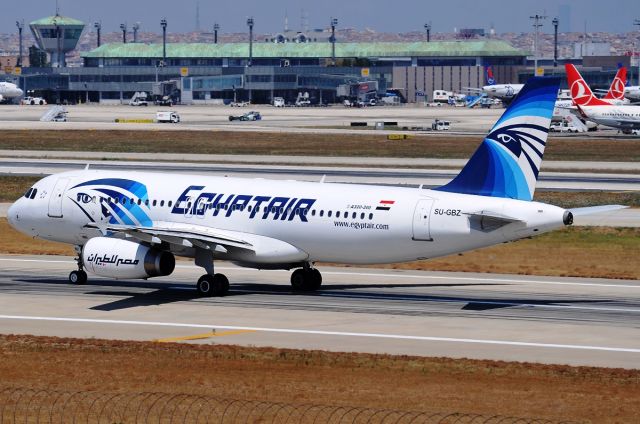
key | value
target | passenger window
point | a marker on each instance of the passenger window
(313, 212)
(321, 212)
(115, 200)
(362, 215)
(154, 202)
(353, 215)
(139, 201)
(329, 214)
(338, 214)
(162, 203)
(370, 216)
(146, 202)
(170, 203)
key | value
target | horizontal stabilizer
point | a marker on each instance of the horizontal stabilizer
(590, 210)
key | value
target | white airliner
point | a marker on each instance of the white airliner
(132, 224)
(601, 111)
(632, 93)
(504, 92)
(9, 91)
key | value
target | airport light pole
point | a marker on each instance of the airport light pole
(636, 22)
(250, 24)
(136, 27)
(98, 27)
(216, 28)
(555, 23)
(427, 27)
(536, 25)
(20, 26)
(334, 24)
(163, 24)
(123, 28)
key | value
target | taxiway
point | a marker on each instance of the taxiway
(517, 318)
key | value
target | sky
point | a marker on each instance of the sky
(379, 15)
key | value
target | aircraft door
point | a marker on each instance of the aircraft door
(55, 201)
(421, 217)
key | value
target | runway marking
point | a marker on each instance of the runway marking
(393, 275)
(325, 333)
(203, 336)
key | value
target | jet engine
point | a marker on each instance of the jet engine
(117, 258)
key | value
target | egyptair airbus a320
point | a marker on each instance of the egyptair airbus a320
(129, 225)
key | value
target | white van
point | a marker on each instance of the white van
(168, 116)
(278, 102)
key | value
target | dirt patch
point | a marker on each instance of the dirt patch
(295, 376)
(275, 143)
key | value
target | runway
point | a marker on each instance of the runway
(517, 318)
(429, 177)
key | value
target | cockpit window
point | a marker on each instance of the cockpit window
(31, 193)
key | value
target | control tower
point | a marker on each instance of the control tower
(57, 35)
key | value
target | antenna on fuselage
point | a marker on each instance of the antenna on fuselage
(324, 177)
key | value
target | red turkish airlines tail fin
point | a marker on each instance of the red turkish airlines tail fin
(580, 91)
(616, 91)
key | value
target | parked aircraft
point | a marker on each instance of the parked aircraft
(504, 92)
(600, 111)
(132, 225)
(9, 91)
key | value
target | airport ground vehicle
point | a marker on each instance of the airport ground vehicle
(168, 116)
(439, 125)
(278, 102)
(249, 116)
(163, 101)
(33, 101)
(563, 126)
(139, 99)
(131, 225)
(239, 104)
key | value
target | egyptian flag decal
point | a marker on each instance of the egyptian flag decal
(385, 205)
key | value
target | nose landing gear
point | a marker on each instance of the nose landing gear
(78, 277)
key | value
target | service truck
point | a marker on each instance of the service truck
(168, 116)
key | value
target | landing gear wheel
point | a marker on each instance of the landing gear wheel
(306, 279)
(213, 285)
(78, 277)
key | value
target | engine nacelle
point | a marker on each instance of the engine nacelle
(117, 258)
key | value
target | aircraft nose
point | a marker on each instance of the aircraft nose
(20, 92)
(12, 215)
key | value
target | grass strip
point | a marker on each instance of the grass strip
(280, 143)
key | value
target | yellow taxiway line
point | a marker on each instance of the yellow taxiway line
(203, 336)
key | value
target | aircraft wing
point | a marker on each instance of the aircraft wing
(179, 234)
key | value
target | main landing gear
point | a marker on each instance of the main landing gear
(210, 284)
(78, 277)
(306, 279)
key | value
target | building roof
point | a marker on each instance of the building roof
(57, 20)
(308, 50)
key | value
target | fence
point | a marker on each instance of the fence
(19, 405)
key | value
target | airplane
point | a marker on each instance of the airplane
(632, 93)
(600, 111)
(504, 92)
(9, 91)
(132, 225)
(583, 96)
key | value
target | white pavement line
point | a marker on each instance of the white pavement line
(390, 274)
(323, 333)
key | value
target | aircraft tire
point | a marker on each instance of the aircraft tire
(306, 280)
(213, 285)
(78, 277)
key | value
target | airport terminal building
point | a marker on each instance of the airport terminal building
(208, 73)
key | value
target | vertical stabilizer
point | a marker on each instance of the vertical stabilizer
(490, 79)
(581, 94)
(508, 161)
(616, 91)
